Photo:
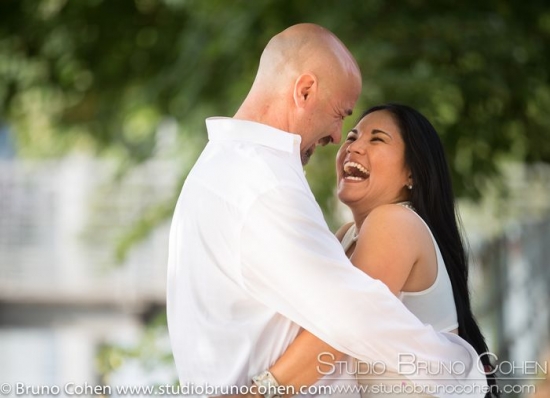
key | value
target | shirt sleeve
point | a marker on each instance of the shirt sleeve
(293, 264)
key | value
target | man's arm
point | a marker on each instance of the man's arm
(293, 264)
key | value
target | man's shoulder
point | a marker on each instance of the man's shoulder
(244, 161)
(241, 172)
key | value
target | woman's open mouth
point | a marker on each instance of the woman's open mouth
(355, 171)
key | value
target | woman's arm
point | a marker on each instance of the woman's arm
(391, 242)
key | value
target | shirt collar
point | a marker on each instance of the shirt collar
(229, 129)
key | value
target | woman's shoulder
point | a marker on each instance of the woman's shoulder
(393, 211)
(400, 220)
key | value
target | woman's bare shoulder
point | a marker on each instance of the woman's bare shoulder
(394, 215)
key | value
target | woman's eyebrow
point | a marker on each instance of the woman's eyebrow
(377, 131)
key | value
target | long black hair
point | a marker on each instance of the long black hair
(432, 198)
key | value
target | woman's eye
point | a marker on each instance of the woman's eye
(350, 138)
(376, 139)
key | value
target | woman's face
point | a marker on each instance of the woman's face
(370, 165)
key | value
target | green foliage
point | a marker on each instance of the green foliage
(101, 74)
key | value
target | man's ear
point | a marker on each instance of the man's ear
(304, 87)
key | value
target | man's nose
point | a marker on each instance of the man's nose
(336, 135)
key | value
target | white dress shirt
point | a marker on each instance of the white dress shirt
(251, 259)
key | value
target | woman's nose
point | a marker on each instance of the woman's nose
(355, 147)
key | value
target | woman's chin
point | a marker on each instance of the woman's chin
(346, 197)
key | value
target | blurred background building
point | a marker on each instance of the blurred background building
(63, 297)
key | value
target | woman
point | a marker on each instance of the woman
(393, 175)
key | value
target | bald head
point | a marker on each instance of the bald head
(304, 48)
(306, 83)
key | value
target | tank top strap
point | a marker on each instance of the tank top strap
(349, 237)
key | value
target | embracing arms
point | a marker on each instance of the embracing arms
(299, 269)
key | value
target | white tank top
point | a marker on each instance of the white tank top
(434, 305)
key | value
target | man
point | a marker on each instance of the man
(251, 258)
